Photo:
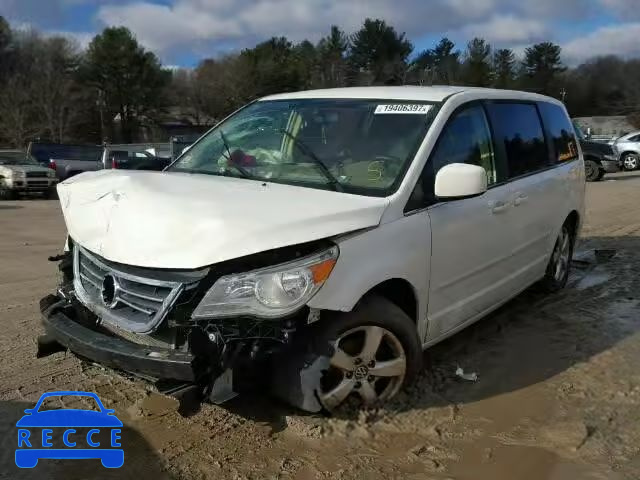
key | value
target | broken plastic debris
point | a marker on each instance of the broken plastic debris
(470, 377)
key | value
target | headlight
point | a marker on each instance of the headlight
(270, 292)
(17, 174)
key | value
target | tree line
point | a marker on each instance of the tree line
(52, 89)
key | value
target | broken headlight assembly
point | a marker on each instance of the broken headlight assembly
(270, 292)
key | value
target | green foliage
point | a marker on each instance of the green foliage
(378, 49)
(504, 63)
(440, 64)
(331, 53)
(542, 65)
(271, 67)
(129, 78)
(477, 65)
(50, 89)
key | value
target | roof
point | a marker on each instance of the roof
(417, 93)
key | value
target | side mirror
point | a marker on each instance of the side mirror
(460, 180)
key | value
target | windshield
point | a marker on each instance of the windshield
(355, 146)
(17, 158)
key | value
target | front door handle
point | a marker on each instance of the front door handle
(498, 207)
(520, 199)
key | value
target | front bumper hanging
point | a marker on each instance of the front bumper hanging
(109, 350)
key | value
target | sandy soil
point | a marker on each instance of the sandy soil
(558, 395)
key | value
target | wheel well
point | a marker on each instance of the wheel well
(628, 152)
(401, 293)
(593, 159)
(572, 222)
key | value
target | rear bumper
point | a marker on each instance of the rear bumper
(113, 351)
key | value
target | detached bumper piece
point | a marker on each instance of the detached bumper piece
(110, 350)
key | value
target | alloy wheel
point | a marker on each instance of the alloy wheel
(630, 162)
(368, 362)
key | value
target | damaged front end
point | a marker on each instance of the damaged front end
(214, 329)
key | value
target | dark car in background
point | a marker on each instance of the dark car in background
(134, 157)
(67, 160)
(599, 158)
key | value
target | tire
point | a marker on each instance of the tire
(557, 273)
(6, 194)
(350, 370)
(593, 171)
(630, 161)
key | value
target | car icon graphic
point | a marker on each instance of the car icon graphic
(32, 446)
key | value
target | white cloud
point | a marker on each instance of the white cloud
(241, 23)
(508, 30)
(619, 40)
(627, 9)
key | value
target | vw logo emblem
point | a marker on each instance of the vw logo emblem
(109, 291)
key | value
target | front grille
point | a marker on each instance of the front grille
(130, 298)
(37, 183)
(36, 174)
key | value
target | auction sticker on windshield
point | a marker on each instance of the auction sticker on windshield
(416, 108)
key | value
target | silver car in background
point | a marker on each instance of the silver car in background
(628, 149)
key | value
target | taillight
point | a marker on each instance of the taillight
(52, 165)
(114, 163)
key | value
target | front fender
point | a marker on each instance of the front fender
(397, 250)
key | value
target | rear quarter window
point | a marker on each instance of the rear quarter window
(560, 132)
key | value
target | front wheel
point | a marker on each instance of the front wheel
(375, 351)
(593, 171)
(631, 161)
(557, 272)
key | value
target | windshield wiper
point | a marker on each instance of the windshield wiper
(230, 161)
(304, 148)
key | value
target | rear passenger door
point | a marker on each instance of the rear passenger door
(536, 188)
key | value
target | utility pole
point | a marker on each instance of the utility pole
(563, 94)
(101, 104)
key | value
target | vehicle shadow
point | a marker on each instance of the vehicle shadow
(623, 176)
(529, 340)
(140, 459)
(10, 207)
(537, 336)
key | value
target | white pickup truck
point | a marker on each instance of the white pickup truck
(20, 173)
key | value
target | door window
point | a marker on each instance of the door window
(518, 131)
(466, 138)
(560, 132)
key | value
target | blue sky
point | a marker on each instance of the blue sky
(182, 32)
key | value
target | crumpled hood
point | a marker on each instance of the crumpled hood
(178, 220)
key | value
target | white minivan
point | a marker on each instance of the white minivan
(317, 242)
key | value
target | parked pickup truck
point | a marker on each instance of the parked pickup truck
(20, 173)
(120, 158)
(67, 160)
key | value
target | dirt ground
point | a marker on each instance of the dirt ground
(558, 395)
